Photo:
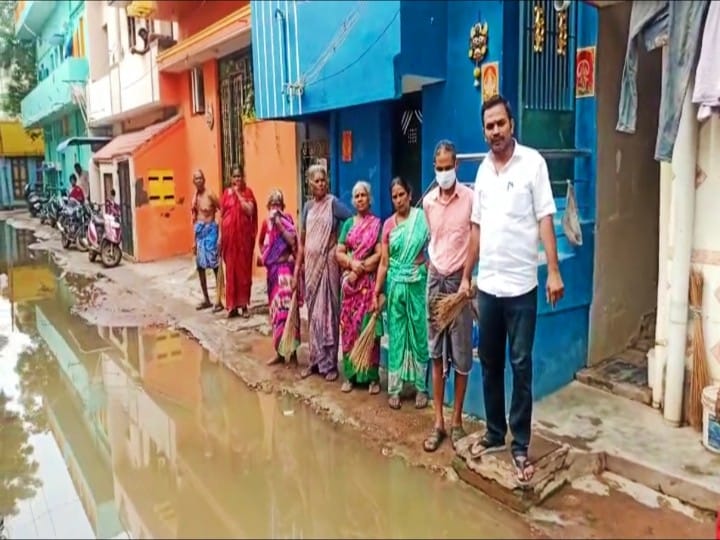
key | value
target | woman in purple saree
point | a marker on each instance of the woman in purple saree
(278, 248)
(321, 218)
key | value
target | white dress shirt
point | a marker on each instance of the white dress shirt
(508, 204)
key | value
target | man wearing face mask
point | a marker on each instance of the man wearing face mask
(447, 209)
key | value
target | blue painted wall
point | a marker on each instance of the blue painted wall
(7, 196)
(359, 98)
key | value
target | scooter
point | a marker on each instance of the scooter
(34, 200)
(104, 237)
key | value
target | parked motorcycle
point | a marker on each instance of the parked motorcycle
(104, 237)
(50, 211)
(72, 224)
(34, 200)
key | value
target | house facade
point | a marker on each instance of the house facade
(172, 83)
(383, 82)
(21, 157)
(56, 104)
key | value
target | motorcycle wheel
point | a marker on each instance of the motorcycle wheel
(110, 254)
(92, 255)
(66, 241)
(82, 244)
(52, 222)
(42, 220)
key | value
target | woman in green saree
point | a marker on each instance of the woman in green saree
(403, 266)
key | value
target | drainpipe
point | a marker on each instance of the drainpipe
(684, 163)
(663, 288)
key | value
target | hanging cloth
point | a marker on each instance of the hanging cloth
(571, 217)
(707, 74)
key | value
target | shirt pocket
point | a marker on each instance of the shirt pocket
(519, 203)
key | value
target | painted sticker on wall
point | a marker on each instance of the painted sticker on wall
(347, 146)
(490, 80)
(585, 72)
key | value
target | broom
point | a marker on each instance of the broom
(447, 307)
(361, 353)
(288, 344)
(699, 376)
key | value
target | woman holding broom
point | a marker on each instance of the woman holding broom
(358, 254)
(404, 237)
(278, 247)
(321, 219)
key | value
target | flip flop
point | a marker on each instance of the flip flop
(346, 387)
(456, 434)
(485, 446)
(394, 402)
(374, 388)
(217, 308)
(421, 400)
(331, 376)
(523, 468)
(203, 305)
(434, 440)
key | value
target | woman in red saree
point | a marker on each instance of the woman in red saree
(237, 243)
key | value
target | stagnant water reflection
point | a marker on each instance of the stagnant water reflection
(136, 432)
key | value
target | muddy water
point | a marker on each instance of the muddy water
(138, 433)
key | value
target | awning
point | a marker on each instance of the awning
(79, 141)
(15, 141)
(229, 34)
(126, 144)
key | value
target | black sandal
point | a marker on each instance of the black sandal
(523, 468)
(203, 305)
(434, 440)
(394, 402)
(485, 446)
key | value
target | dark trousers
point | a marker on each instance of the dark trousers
(507, 320)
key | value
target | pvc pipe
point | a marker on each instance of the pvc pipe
(684, 163)
(661, 321)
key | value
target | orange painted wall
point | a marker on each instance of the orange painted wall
(270, 163)
(164, 231)
(202, 143)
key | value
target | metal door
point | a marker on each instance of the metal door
(237, 105)
(407, 141)
(126, 214)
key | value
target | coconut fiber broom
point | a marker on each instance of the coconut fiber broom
(699, 377)
(362, 351)
(288, 341)
(447, 307)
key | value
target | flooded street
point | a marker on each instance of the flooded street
(136, 432)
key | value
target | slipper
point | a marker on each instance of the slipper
(434, 440)
(306, 372)
(331, 376)
(421, 400)
(233, 313)
(346, 387)
(456, 434)
(523, 468)
(394, 402)
(274, 361)
(217, 308)
(374, 388)
(485, 446)
(203, 305)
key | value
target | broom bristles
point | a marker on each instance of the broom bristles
(361, 353)
(288, 343)
(447, 308)
(700, 377)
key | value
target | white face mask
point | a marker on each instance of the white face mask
(445, 179)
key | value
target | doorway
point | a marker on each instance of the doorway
(407, 141)
(126, 207)
(236, 105)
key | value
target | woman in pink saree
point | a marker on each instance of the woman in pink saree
(278, 248)
(358, 254)
(321, 218)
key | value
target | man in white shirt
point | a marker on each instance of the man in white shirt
(513, 206)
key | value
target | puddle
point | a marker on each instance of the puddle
(122, 432)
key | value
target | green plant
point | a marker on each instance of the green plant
(17, 60)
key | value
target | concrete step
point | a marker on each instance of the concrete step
(634, 441)
(624, 375)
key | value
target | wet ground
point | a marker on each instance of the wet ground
(126, 427)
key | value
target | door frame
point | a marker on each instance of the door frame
(126, 206)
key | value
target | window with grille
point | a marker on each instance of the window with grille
(197, 90)
(547, 89)
(131, 29)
